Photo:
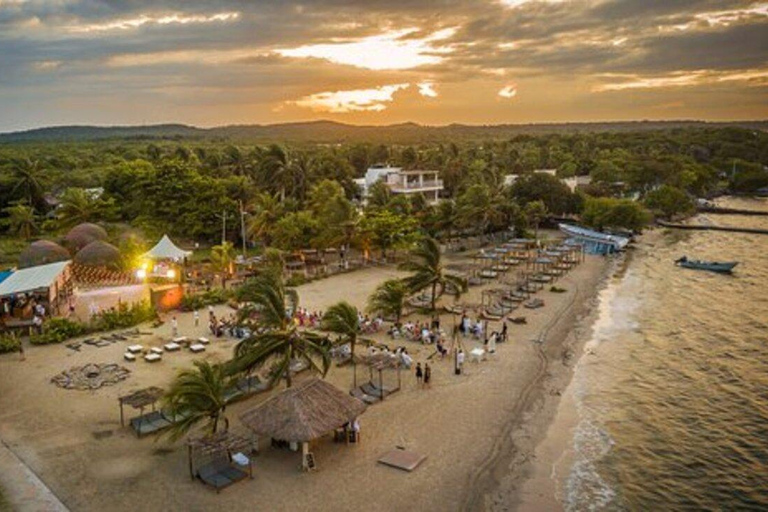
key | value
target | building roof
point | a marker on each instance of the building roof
(166, 249)
(5, 274)
(33, 278)
(42, 252)
(418, 171)
(303, 412)
(98, 254)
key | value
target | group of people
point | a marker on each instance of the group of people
(426, 333)
(423, 375)
(469, 328)
(305, 318)
(401, 353)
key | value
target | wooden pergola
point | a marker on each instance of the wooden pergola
(201, 450)
(140, 400)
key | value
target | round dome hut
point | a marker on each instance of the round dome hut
(83, 234)
(98, 254)
(42, 252)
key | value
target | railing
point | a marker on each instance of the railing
(431, 184)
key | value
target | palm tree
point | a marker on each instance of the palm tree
(21, 220)
(29, 179)
(267, 210)
(427, 267)
(222, 256)
(343, 318)
(389, 299)
(78, 206)
(277, 337)
(198, 395)
(535, 211)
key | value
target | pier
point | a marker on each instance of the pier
(701, 227)
(731, 211)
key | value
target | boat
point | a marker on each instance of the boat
(595, 242)
(713, 266)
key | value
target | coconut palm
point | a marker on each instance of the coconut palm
(267, 210)
(427, 270)
(29, 181)
(199, 395)
(78, 205)
(277, 337)
(222, 256)
(389, 299)
(343, 318)
(21, 220)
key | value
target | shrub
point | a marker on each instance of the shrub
(57, 330)
(209, 298)
(296, 280)
(9, 343)
(123, 315)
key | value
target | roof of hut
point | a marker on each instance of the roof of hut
(82, 235)
(303, 412)
(98, 254)
(42, 252)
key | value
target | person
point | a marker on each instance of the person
(197, 318)
(22, 357)
(37, 321)
(71, 307)
(427, 375)
(441, 349)
(464, 325)
(504, 332)
(492, 342)
(175, 326)
(419, 374)
(460, 360)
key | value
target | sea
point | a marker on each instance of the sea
(671, 395)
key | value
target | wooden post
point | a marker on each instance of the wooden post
(122, 417)
(381, 385)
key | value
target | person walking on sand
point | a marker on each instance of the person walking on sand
(460, 360)
(22, 357)
(175, 326)
(427, 375)
(504, 332)
(419, 374)
(197, 318)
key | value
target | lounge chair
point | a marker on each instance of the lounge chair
(172, 347)
(197, 347)
(220, 475)
(150, 423)
(364, 397)
(153, 358)
(129, 357)
(135, 349)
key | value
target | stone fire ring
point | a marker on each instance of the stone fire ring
(91, 376)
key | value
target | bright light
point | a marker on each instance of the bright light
(170, 274)
(360, 100)
(141, 273)
(392, 50)
(509, 92)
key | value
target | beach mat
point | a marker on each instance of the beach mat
(402, 459)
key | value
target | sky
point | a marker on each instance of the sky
(212, 63)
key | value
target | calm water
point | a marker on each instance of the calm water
(673, 405)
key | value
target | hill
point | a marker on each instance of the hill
(334, 132)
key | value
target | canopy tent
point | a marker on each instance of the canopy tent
(35, 278)
(166, 250)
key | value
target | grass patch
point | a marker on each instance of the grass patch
(10, 248)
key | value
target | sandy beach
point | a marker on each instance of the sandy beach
(477, 430)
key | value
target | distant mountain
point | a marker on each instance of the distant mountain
(334, 132)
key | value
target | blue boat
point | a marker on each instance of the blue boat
(594, 242)
(725, 267)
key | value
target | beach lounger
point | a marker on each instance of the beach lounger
(172, 347)
(364, 397)
(153, 358)
(197, 348)
(220, 475)
(534, 304)
(203, 341)
(180, 340)
(129, 357)
(135, 349)
(150, 423)
(156, 350)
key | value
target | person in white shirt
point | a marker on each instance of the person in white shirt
(460, 359)
(197, 318)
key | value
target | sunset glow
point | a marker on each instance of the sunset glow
(373, 100)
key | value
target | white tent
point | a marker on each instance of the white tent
(166, 250)
(34, 279)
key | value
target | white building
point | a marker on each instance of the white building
(399, 181)
(572, 183)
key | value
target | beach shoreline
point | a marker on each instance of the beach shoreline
(515, 461)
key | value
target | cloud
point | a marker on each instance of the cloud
(757, 78)
(390, 50)
(427, 89)
(360, 100)
(167, 19)
(509, 91)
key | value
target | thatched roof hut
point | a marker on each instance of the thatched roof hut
(83, 234)
(304, 412)
(98, 254)
(42, 252)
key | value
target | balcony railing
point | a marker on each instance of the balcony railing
(425, 185)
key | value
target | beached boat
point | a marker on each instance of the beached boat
(712, 266)
(595, 242)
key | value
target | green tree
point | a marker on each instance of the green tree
(21, 220)
(427, 269)
(384, 230)
(535, 212)
(198, 395)
(388, 299)
(29, 181)
(295, 231)
(278, 338)
(222, 256)
(78, 205)
(555, 195)
(604, 212)
(267, 210)
(668, 201)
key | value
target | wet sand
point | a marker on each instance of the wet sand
(474, 428)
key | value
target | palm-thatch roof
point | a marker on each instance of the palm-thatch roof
(83, 234)
(98, 254)
(304, 412)
(42, 252)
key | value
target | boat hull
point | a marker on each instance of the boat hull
(723, 268)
